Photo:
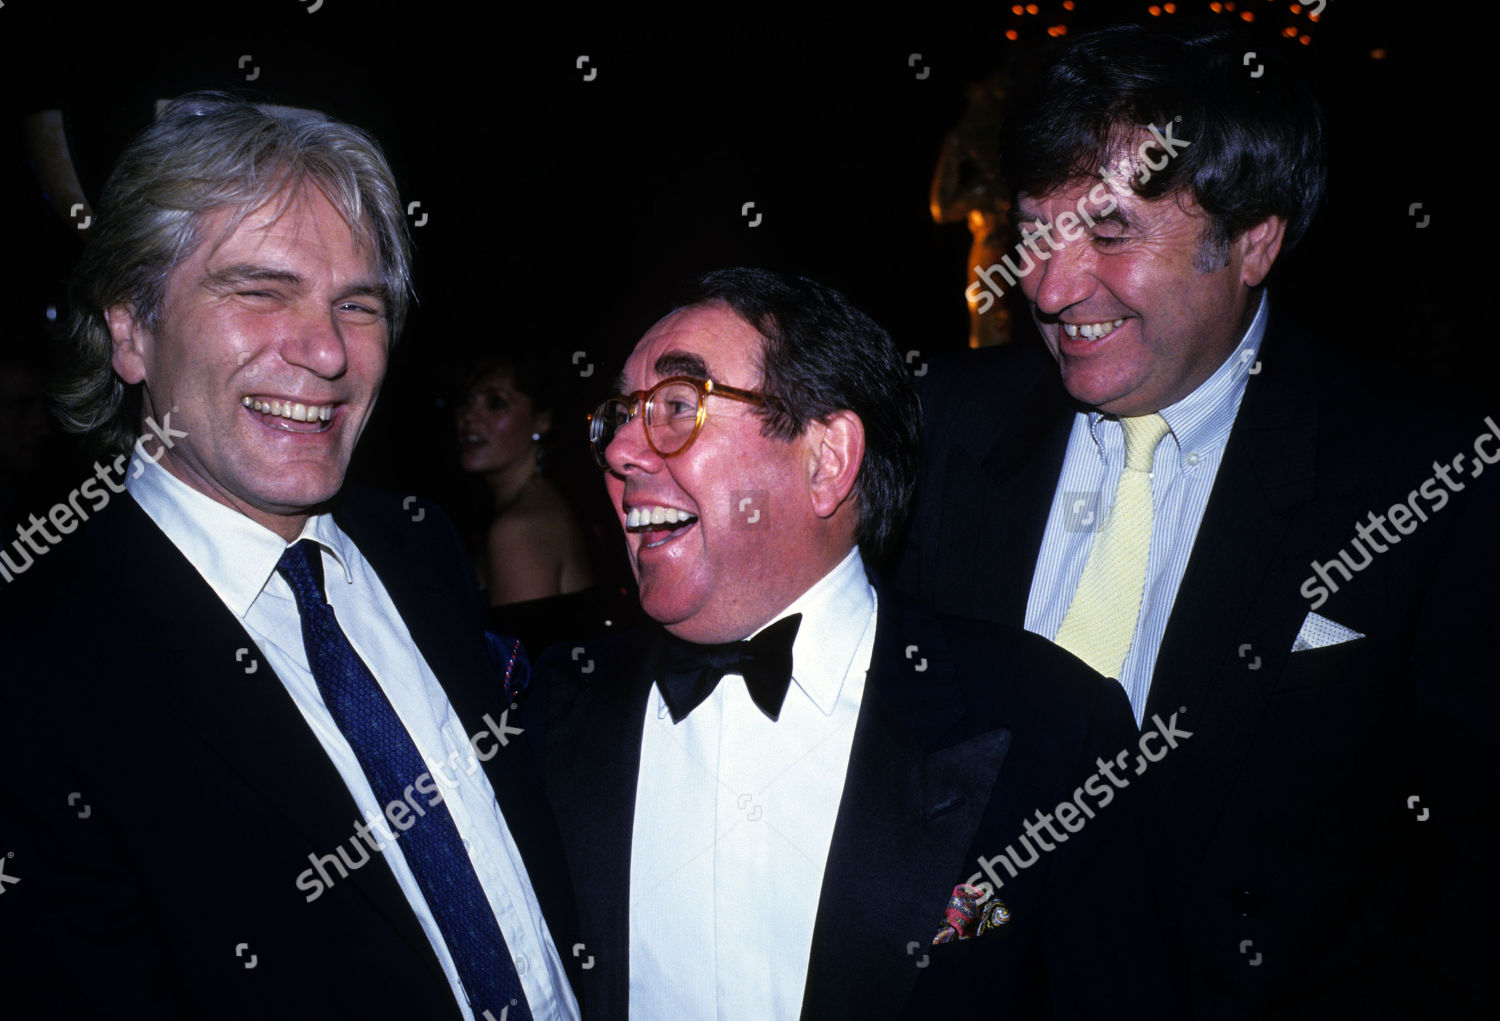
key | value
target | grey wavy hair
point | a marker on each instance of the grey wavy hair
(205, 152)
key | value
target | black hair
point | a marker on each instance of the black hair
(1256, 141)
(822, 355)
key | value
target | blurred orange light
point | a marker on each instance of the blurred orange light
(1018, 9)
(1314, 16)
(1068, 5)
(1377, 54)
(1012, 34)
(1154, 11)
(1229, 6)
(1296, 8)
(1247, 16)
(1289, 32)
(1305, 40)
(1032, 8)
(1169, 8)
(1216, 8)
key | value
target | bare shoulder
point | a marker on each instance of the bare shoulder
(540, 516)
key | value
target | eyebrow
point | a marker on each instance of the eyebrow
(679, 363)
(673, 363)
(241, 273)
(1115, 216)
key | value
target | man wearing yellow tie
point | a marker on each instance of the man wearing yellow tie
(1179, 496)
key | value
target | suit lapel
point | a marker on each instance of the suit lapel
(1268, 471)
(593, 762)
(240, 708)
(908, 816)
(998, 488)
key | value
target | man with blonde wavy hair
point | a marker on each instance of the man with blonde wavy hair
(287, 682)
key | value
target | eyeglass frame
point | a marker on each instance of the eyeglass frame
(637, 401)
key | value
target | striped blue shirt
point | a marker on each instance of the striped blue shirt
(1183, 472)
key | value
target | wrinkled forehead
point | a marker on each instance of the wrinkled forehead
(707, 341)
(268, 210)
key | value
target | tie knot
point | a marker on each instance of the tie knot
(1141, 437)
(302, 567)
(688, 672)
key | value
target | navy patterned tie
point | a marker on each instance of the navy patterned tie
(391, 763)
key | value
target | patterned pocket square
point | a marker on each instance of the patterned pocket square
(971, 912)
(1319, 632)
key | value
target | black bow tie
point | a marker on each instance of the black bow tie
(688, 673)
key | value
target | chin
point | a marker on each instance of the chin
(664, 604)
(303, 496)
(1097, 393)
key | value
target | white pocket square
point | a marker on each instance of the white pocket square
(1319, 632)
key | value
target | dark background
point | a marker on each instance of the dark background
(563, 214)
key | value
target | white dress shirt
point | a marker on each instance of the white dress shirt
(1183, 472)
(237, 557)
(734, 815)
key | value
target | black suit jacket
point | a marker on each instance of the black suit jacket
(163, 793)
(947, 763)
(1290, 819)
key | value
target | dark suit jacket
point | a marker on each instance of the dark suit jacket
(946, 765)
(1288, 822)
(163, 793)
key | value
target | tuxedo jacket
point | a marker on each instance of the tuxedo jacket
(954, 749)
(1330, 829)
(163, 793)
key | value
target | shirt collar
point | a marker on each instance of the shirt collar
(836, 612)
(1201, 421)
(235, 555)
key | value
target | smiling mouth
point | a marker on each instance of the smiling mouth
(649, 521)
(1092, 331)
(291, 416)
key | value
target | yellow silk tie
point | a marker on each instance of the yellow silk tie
(1100, 622)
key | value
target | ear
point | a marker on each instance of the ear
(542, 423)
(838, 449)
(1259, 247)
(130, 343)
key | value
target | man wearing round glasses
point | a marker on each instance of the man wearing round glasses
(772, 798)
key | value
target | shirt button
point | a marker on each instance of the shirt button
(520, 964)
(1193, 458)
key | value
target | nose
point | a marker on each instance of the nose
(1065, 279)
(316, 342)
(629, 452)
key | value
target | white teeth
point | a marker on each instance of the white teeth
(1091, 331)
(290, 410)
(641, 517)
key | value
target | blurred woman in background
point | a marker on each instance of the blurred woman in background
(532, 558)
